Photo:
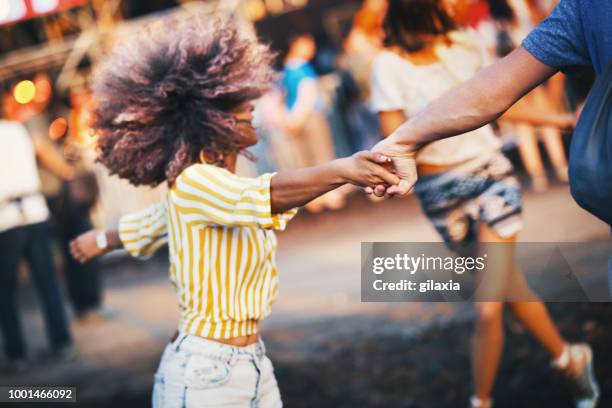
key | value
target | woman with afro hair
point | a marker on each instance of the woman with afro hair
(174, 105)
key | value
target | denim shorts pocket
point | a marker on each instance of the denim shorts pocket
(204, 372)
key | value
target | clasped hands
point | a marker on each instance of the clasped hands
(403, 164)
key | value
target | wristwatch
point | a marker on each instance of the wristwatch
(101, 240)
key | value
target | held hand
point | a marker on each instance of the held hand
(368, 169)
(403, 159)
(85, 247)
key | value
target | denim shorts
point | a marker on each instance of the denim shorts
(482, 190)
(195, 372)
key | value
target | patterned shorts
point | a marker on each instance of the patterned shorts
(478, 191)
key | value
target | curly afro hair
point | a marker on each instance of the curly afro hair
(168, 93)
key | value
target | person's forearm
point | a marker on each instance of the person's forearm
(51, 160)
(85, 247)
(296, 187)
(112, 237)
(475, 102)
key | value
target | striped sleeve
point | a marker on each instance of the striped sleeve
(144, 232)
(208, 194)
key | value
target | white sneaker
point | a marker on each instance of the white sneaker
(478, 403)
(579, 370)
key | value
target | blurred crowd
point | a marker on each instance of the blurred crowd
(343, 95)
(322, 106)
(51, 188)
(46, 195)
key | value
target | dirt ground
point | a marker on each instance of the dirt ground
(432, 368)
(381, 364)
(329, 348)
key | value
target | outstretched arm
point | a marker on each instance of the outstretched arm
(294, 188)
(141, 233)
(85, 247)
(467, 107)
(209, 195)
(475, 102)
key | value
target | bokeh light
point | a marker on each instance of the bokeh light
(58, 128)
(255, 9)
(43, 88)
(24, 92)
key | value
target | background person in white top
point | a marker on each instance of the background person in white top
(465, 187)
(509, 23)
(24, 234)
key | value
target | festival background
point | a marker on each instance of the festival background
(329, 348)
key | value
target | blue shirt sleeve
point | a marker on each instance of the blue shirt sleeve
(559, 40)
(308, 72)
(292, 77)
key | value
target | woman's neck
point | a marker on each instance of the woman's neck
(227, 162)
(230, 162)
(425, 56)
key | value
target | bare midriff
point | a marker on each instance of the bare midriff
(240, 341)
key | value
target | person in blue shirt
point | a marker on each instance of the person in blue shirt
(298, 72)
(308, 135)
(578, 33)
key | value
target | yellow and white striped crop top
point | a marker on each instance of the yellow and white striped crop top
(219, 229)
